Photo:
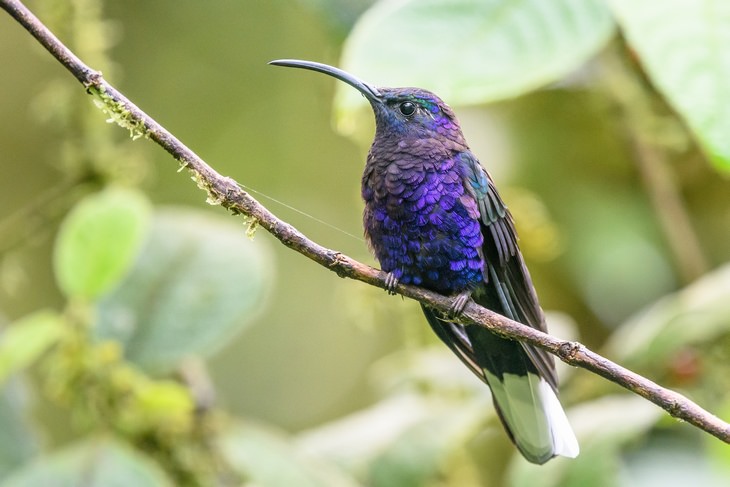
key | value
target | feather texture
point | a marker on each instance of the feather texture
(434, 218)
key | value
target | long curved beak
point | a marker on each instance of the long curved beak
(368, 91)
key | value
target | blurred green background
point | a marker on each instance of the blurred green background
(617, 181)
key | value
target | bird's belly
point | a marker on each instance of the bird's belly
(436, 249)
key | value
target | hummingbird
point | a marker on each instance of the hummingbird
(433, 218)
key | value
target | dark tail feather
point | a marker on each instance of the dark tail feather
(525, 401)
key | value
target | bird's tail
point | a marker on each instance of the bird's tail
(526, 402)
(533, 416)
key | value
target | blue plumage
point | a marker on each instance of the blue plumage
(420, 223)
(419, 219)
(434, 218)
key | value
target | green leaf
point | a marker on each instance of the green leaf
(472, 51)
(97, 463)
(98, 242)
(685, 47)
(696, 314)
(666, 460)
(420, 454)
(267, 458)
(18, 439)
(198, 281)
(26, 340)
(404, 437)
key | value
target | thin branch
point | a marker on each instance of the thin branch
(228, 193)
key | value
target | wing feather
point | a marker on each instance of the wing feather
(522, 378)
(508, 288)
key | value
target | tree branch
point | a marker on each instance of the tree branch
(226, 192)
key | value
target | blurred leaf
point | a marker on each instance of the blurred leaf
(98, 242)
(602, 427)
(340, 14)
(26, 340)
(471, 51)
(431, 368)
(18, 438)
(381, 432)
(622, 417)
(266, 458)
(98, 463)
(198, 281)
(355, 439)
(421, 452)
(685, 47)
(670, 460)
(698, 313)
(614, 258)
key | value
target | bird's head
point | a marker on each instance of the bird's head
(400, 112)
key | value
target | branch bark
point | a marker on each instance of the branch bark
(226, 192)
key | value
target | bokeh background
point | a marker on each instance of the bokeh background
(288, 375)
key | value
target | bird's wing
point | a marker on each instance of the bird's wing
(508, 288)
(522, 378)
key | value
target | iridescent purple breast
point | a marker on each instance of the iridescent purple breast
(423, 225)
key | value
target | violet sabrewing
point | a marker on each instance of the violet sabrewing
(433, 218)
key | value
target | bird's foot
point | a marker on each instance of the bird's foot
(457, 307)
(391, 282)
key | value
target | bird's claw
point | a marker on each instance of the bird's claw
(391, 282)
(458, 305)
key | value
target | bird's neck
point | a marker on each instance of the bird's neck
(426, 148)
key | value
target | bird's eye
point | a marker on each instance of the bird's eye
(407, 108)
